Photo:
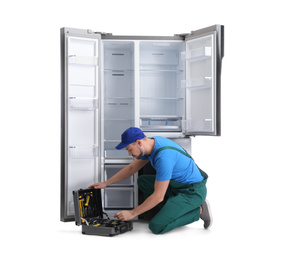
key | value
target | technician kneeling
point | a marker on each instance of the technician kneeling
(178, 188)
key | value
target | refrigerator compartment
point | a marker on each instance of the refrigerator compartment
(83, 60)
(83, 152)
(118, 108)
(161, 107)
(83, 103)
(111, 170)
(160, 123)
(161, 53)
(197, 54)
(197, 83)
(81, 75)
(119, 83)
(114, 128)
(164, 83)
(118, 55)
(112, 152)
(119, 198)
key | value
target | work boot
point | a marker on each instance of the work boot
(206, 215)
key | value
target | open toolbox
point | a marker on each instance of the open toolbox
(89, 214)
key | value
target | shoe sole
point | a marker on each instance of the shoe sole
(211, 218)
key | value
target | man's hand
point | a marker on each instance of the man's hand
(100, 185)
(124, 215)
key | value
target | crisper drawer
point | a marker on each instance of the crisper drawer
(111, 170)
(120, 198)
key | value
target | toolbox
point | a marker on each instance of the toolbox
(89, 214)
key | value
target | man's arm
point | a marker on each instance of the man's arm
(123, 174)
(149, 203)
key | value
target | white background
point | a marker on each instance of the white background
(244, 164)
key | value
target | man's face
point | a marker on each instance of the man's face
(134, 150)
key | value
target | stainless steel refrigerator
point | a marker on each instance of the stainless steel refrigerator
(166, 85)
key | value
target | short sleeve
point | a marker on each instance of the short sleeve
(164, 166)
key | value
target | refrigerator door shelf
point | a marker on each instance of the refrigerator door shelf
(197, 54)
(83, 152)
(197, 83)
(83, 103)
(205, 124)
(83, 60)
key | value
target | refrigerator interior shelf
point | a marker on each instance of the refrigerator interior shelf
(118, 98)
(117, 102)
(162, 98)
(160, 71)
(155, 128)
(116, 154)
(197, 54)
(83, 60)
(83, 103)
(83, 152)
(118, 119)
(160, 118)
(117, 72)
(197, 83)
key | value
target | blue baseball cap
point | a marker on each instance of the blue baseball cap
(130, 136)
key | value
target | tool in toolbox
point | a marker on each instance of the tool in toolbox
(89, 214)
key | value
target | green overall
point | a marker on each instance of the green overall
(181, 205)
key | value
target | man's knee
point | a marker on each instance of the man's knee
(155, 227)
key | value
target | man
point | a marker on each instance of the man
(178, 188)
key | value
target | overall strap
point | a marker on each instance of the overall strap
(184, 153)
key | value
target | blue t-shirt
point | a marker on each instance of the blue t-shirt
(171, 164)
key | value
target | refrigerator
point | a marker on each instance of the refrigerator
(166, 85)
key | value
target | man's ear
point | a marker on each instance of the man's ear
(139, 142)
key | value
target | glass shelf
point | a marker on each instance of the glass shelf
(161, 98)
